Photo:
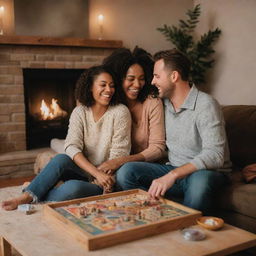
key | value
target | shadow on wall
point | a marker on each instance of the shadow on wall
(58, 18)
(211, 74)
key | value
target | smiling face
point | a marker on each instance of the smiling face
(103, 89)
(133, 82)
(162, 79)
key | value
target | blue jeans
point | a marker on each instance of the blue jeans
(198, 189)
(61, 168)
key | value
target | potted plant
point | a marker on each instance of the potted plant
(198, 52)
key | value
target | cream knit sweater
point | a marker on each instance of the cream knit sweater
(106, 139)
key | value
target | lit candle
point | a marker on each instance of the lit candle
(100, 22)
(100, 19)
(1, 20)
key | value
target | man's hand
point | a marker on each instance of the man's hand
(161, 185)
(110, 166)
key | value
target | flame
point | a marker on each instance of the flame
(52, 112)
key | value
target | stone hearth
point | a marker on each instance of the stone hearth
(26, 53)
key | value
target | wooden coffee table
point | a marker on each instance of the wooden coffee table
(31, 235)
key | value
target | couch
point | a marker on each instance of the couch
(237, 202)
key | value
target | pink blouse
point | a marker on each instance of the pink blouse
(148, 136)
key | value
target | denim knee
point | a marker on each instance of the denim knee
(73, 189)
(123, 174)
(126, 175)
(78, 188)
(61, 159)
(207, 180)
(140, 174)
(201, 188)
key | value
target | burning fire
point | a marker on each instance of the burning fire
(52, 112)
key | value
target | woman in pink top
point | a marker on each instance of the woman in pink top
(134, 72)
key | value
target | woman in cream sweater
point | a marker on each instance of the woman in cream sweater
(99, 130)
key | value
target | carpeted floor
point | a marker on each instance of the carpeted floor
(9, 192)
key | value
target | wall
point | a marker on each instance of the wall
(132, 21)
(232, 80)
(57, 18)
(135, 21)
(8, 17)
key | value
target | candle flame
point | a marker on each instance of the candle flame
(1, 20)
(100, 19)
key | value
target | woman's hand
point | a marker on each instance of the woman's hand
(110, 166)
(104, 180)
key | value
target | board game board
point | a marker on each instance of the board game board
(105, 220)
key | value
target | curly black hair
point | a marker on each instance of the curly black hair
(122, 59)
(84, 84)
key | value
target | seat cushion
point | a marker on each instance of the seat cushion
(239, 196)
(241, 133)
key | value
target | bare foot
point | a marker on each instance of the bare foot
(12, 204)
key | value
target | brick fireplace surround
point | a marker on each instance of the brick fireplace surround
(16, 53)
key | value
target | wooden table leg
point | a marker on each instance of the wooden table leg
(6, 248)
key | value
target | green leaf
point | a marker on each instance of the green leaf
(198, 52)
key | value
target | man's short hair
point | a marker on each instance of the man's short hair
(176, 61)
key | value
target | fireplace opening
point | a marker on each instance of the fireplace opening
(49, 101)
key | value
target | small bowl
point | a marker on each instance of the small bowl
(211, 223)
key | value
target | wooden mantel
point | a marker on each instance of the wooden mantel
(60, 41)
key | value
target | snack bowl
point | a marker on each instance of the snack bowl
(211, 223)
(192, 234)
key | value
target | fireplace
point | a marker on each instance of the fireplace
(20, 53)
(49, 101)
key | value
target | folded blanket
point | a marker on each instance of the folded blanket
(249, 172)
(43, 159)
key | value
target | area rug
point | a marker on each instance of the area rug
(10, 192)
(13, 220)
